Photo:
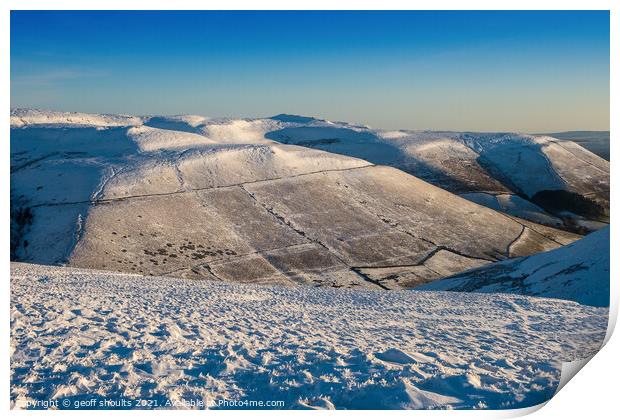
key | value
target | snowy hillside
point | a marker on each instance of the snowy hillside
(525, 172)
(79, 334)
(595, 141)
(513, 166)
(218, 199)
(21, 117)
(578, 272)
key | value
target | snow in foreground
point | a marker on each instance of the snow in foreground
(579, 272)
(80, 334)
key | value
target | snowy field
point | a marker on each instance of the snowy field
(79, 334)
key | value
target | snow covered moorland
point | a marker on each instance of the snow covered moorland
(79, 334)
(539, 178)
(231, 200)
(181, 237)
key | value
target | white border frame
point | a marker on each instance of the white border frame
(592, 394)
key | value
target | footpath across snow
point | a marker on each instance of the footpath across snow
(80, 334)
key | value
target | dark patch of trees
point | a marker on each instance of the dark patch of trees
(558, 201)
(21, 220)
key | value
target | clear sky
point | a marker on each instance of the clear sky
(517, 71)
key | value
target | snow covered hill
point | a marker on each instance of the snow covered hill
(518, 174)
(218, 199)
(522, 169)
(527, 176)
(595, 141)
(80, 334)
(21, 117)
(578, 272)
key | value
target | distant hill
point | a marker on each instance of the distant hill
(595, 141)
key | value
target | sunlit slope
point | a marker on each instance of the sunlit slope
(540, 178)
(536, 177)
(156, 201)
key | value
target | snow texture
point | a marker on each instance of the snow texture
(78, 334)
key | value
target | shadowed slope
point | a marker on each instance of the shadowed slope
(579, 272)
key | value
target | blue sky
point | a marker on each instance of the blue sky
(518, 71)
